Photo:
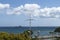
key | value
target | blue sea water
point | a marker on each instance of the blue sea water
(43, 30)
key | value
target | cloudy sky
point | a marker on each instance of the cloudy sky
(16, 12)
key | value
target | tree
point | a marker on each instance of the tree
(28, 34)
(57, 30)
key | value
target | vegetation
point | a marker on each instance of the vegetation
(26, 35)
(57, 30)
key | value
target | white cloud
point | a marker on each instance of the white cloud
(33, 9)
(2, 6)
(53, 12)
(31, 6)
(26, 9)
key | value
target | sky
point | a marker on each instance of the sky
(17, 12)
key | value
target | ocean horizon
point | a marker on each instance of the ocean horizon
(43, 30)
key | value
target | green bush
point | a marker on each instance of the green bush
(21, 36)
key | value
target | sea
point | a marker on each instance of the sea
(16, 30)
(42, 31)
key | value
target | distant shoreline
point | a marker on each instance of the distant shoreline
(29, 26)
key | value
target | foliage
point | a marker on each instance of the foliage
(26, 35)
(57, 30)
